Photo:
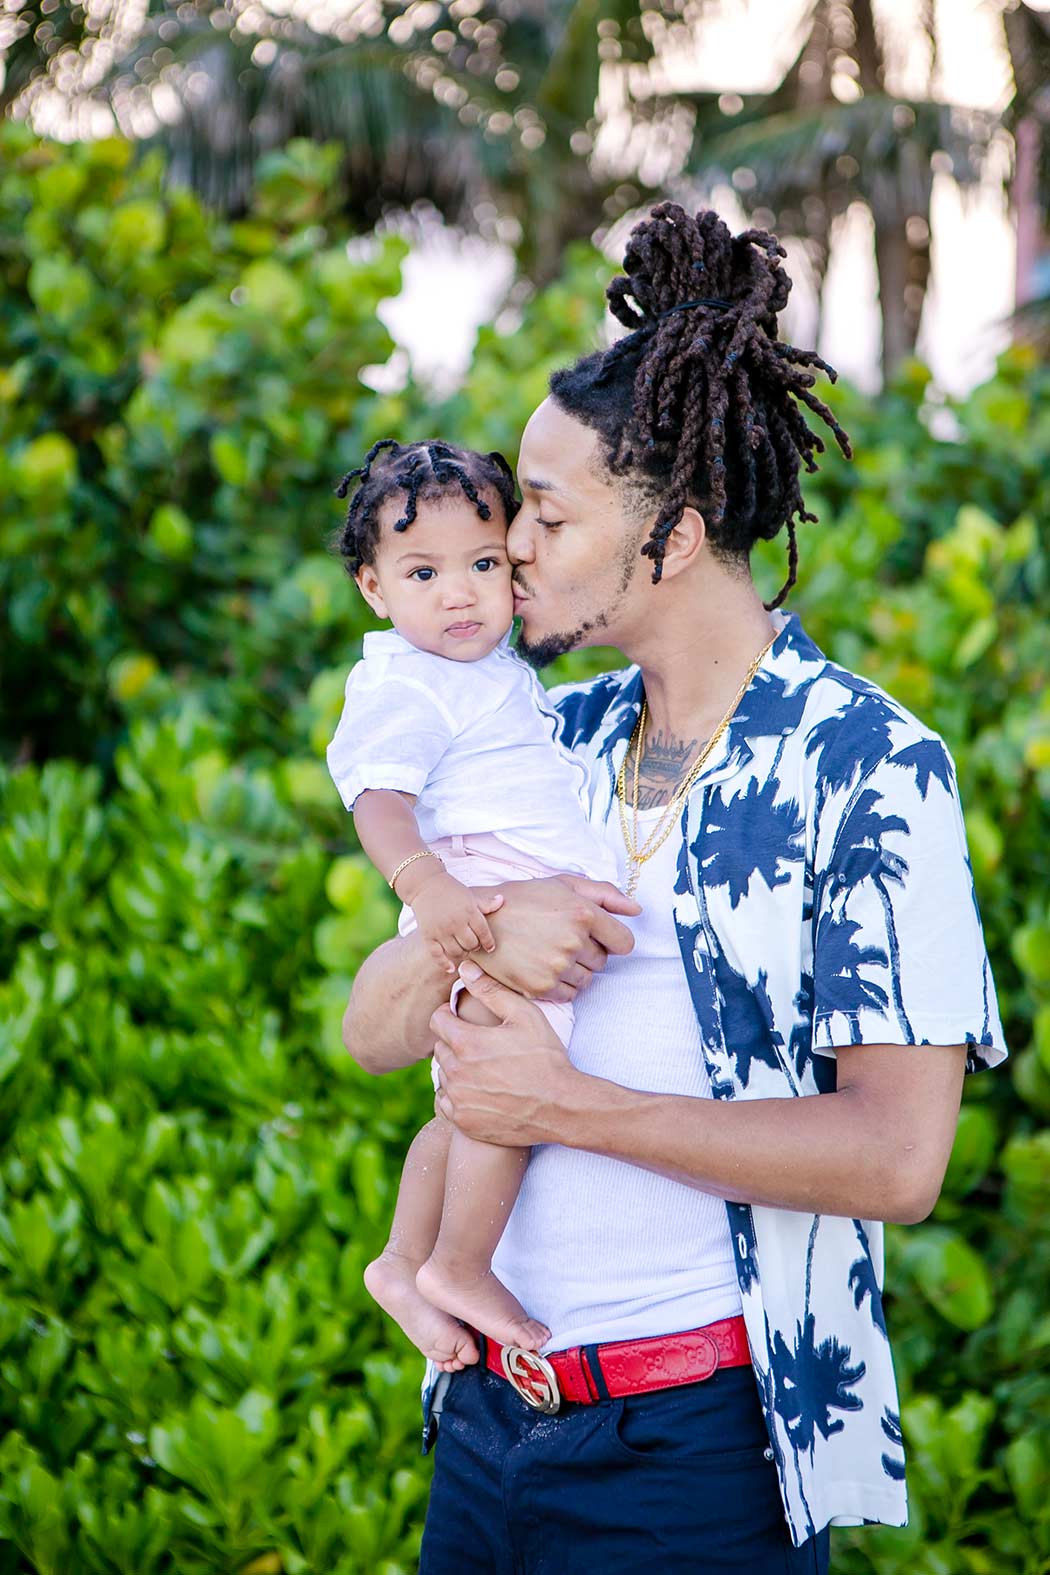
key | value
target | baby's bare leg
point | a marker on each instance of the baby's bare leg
(420, 1195)
(391, 1278)
(481, 1185)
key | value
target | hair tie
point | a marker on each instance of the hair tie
(701, 300)
(648, 324)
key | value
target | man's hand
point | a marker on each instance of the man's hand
(876, 1148)
(502, 1083)
(560, 932)
(554, 933)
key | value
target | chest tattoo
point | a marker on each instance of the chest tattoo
(665, 760)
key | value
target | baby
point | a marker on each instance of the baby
(447, 754)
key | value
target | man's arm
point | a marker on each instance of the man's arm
(395, 992)
(876, 1148)
(551, 936)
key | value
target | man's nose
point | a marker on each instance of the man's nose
(521, 540)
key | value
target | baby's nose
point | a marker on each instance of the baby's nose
(458, 593)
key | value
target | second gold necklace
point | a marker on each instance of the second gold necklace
(658, 836)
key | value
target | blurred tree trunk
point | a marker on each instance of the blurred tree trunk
(893, 262)
(902, 250)
(1027, 34)
(815, 145)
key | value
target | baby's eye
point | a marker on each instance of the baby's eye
(485, 564)
(549, 524)
(421, 574)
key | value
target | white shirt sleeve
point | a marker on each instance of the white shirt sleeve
(899, 954)
(390, 735)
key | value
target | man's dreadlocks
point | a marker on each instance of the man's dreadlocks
(420, 472)
(698, 402)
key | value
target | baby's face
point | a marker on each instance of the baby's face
(444, 582)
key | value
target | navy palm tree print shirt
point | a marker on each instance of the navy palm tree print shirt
(824, 898)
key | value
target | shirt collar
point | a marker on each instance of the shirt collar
(387, 642)
(772, 706)
(774, 702)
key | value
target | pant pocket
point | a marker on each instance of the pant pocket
(693, 1423)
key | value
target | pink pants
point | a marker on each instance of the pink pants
(482, 859)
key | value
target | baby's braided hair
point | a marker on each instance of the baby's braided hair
(419, 471)
(698, 401)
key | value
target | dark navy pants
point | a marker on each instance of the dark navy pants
(675, 1482)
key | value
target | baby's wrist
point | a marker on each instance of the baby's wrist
(416, 876)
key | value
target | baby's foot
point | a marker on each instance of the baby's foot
(391, 1281)
(480, 1300)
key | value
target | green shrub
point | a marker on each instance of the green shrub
(193, 1172)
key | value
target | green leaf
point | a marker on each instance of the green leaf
(966, 1427)
(171, 532)
(953, 1277)
(1027, 1460)
(46, 468)
(976, 1139)
(975, 642)
(273, 291)
(230, 458)
(1026, 1162)
(1031, 949)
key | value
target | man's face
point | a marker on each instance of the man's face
(574, 549)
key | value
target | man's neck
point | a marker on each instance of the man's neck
(693, 661)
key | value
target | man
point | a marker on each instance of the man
(775, 1066)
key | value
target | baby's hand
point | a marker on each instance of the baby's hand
(451, 918)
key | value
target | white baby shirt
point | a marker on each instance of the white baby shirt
(476, 742)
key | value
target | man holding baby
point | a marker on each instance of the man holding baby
(775, 1005)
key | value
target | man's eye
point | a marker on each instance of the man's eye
(485, 564)
(421, 574)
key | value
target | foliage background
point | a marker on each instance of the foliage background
(193, 1172)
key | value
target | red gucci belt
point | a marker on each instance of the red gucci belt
(627, 1367)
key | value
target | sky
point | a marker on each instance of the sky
(972, 261)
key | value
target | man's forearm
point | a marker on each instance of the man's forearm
(397, 988)
(820, 1154)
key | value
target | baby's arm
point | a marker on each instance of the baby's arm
(450, 916)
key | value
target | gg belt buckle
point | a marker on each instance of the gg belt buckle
(532, 1376)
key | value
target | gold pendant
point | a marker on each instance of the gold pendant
(632, 878)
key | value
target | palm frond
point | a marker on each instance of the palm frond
(846, 150)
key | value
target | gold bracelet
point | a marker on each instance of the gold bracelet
(426, 853)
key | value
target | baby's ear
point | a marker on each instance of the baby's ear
(368, 585)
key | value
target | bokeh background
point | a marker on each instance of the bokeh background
(238, 242)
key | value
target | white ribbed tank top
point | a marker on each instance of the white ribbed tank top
(596, 1248)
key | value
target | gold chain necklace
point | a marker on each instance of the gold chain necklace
(662, 830)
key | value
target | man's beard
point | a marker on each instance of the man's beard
(541, 653)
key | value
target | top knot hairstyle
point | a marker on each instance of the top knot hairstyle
(699, 400)
(419, 471)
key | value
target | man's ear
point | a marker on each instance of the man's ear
(684, 542)
(368, 585)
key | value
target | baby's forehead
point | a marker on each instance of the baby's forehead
(445, 515)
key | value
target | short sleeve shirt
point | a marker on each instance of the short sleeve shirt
(824, 898)
(476, 743)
